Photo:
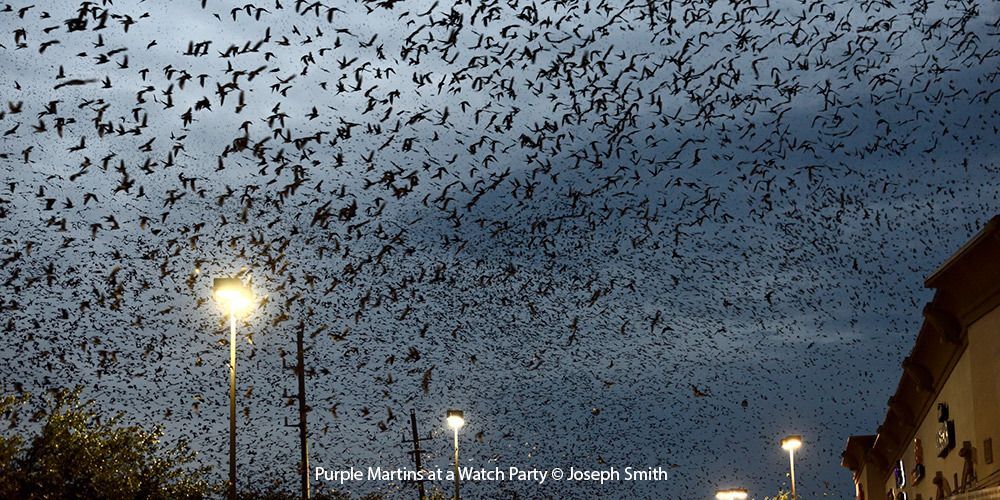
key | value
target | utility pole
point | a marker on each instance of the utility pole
(416, 451)
(300, 372)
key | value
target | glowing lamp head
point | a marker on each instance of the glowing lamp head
(455, 419)
(731, 494)
(791, 443)
(232, 295)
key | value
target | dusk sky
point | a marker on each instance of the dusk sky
(621, 233)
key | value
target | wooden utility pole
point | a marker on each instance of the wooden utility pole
(300, 372)
(416, 451)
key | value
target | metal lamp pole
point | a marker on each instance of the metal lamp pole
(457, 497)
(456, 419)
(232, 403)
(233, 297)
(791, 463)
(790, 444)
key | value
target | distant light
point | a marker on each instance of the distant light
(232, 295)
(456, 419)
(791, 443)
(732, 494)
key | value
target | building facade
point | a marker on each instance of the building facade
(941, 435)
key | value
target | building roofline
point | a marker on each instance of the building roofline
(935, 276)
(965, 288)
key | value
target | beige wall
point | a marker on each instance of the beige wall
(976, 373)
(984, 350)
(872, 483)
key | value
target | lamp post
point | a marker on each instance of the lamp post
(456, 419)
(731, 494)
(790, 444)
(234, 298)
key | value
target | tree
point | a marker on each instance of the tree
(77, 454)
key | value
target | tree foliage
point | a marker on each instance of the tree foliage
(75, 453)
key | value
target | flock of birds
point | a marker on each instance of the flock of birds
(628, 233)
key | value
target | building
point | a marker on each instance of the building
(941, 433)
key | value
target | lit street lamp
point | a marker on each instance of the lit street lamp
(731, 494)
(234, 298)
(790, 444)
(456, 419)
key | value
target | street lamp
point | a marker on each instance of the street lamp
(456, 419)
(234, 298)
(790, 444)
(731, 494)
